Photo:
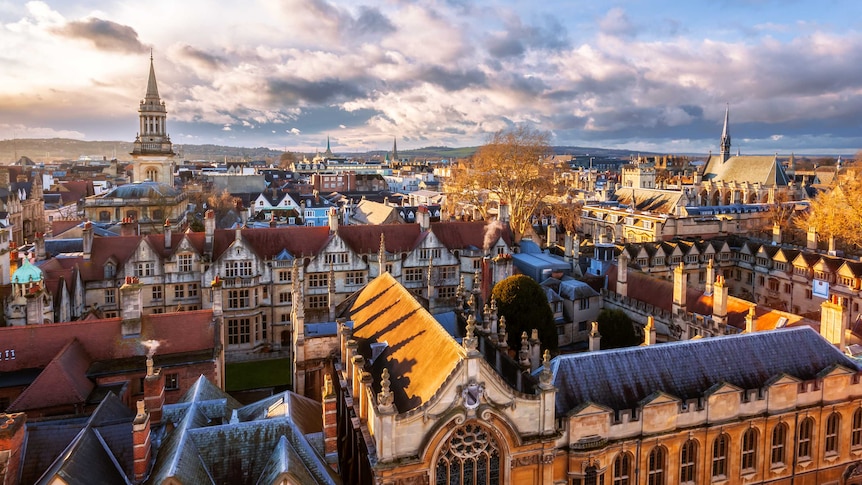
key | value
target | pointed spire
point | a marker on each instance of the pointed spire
(152, 86)
(725, 135)
(394, 149)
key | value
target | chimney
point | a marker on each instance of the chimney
(154, 392)
(141, 443)
(209, 231)
(567, 252)
(131, 301)
(333, 220)
(167, 233)
(776, 233)
(750, 321)
(87, 240)
(552, 234)
(680, 286)
(40, 246)
(12, 433)
(503, 214)
(622, 273)
(423, 217)
(649, 331)
(330, 423)
(811, 242)
(595, 337)
(127, 227)
(216, 297)
(710, 277)
(834, 321)
(719, 301)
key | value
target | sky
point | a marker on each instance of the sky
(647, 75)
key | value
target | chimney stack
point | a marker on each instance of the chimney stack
(680, 288)
(649, 331)
(132, 303)
(141, 451)
(750, 321)
(167, 233)
(330, 423)
(834, 321)
(154, 392)
(719, 301)
(127, 227)
(12, 434)
(622, 273)
(87, 240)
(595, 337)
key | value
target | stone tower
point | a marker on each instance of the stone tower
(153, 155)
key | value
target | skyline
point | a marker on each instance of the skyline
(640, 75)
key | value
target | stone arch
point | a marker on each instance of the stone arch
(727, 197)
(470, 452)
(716, 198)
(704, 197)
(752, 198)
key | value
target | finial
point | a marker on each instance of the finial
(384, 397)
(151, 54)
(471, 326)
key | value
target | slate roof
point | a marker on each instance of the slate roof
(419, 353)
(621, 379)
(650, 200)
(90, 450)
(217, 440)
(746, 168)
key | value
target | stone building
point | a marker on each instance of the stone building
(413, 405)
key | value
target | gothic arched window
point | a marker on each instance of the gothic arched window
(688, 462)
(471, 455)
(656, 465)
(623, 469)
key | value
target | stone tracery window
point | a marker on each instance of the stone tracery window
(471, 456)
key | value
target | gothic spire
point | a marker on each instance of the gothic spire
(152, 86)
(394, 150)
(725, 135)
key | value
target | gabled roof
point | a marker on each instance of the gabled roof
(650, 200)
(365, 239)
(766, 170)
(217, 440)
(97, 449)
(471, 235)
(63, 382)
(621, 379)
(419, 353)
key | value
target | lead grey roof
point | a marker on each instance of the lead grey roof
(746, 168)
(621, 379)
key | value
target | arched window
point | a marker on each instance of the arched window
(833, 423)
(470, 456)
(779, 438)
(856, 430)
(803, 439)
(719, 455)
(749, 450)
(104, 216)
(688, 462)
(623, 469)
(655, 466)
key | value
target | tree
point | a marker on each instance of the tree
(510, 168)
(525, 305)
(221, 203)
(617, 330)
(837, 212)
(286, 159)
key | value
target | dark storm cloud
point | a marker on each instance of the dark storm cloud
(518, 38)
(294, 91)
(205, 59)
(453, 80)
(104, 34)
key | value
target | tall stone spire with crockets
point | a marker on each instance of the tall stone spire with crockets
(152, 152)
(725, 136)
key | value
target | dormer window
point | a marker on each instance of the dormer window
(110, 271)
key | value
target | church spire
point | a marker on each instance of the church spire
(394, 149)
(328, 152)
(152, 87)
(725, 135)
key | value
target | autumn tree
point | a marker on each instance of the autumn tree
(286, 159)
(525, 305)
(510, 168)
(221, 202)
(837, 212)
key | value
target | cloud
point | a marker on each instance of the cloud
(200, 58)
(293, 131)
(104, 34)
(616, 23)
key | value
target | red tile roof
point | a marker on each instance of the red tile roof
(63, 381)
(177, 332)
(365, 239)
(462, 235)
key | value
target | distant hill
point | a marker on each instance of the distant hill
(57, 149)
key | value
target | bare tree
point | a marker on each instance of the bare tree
(510, 168)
